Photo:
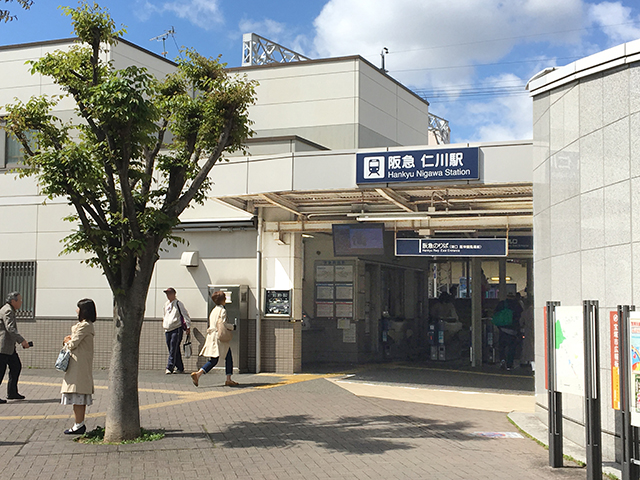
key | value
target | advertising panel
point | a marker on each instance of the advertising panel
(569, 348)
(634, 367)
(614, 325)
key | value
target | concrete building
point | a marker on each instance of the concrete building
(267, 231)
(586, 171)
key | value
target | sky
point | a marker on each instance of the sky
(471, 59)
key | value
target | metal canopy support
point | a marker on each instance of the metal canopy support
(440, 129)
(554, 398)
(257, 50)
(278, 201)
(476, 312)
(396, 199)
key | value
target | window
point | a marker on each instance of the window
(10, 148)
(20, 277)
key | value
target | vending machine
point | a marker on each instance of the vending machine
(237, 306)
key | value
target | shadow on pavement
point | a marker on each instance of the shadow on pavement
(355, 434)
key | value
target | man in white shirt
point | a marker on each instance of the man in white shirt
(175, 314)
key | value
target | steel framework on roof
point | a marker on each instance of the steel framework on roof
(257, 50)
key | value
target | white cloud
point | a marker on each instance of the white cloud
(424, 34)
(426, 38)
(616, 21)
(265, 28)
(202, 13)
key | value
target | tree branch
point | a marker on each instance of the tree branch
(184, 200)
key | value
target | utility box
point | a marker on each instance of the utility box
(237, 306)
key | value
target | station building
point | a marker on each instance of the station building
(350, 214)
(586, 173)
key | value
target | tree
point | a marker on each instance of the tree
(127, 186)
(5, 15)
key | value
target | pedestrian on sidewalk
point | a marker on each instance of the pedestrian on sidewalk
(509, 331)
(175, 322)
(218, 341)
(9, 336)
(77, 385)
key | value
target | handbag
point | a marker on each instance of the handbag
(184, 324)
(62, 362)
(224, 334)
(186, 348)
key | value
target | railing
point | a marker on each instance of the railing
(440, 128)
(257, 50)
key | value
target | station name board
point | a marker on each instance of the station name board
(452, 247)
(427, 165)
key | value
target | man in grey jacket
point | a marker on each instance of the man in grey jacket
(9, 336)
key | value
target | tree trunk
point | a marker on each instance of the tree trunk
(123, 412)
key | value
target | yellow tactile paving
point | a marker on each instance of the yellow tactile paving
(185, 396)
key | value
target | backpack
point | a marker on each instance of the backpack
(503, 318)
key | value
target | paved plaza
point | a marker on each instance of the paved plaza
(307, 426)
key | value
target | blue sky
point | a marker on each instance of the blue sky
(470, 58)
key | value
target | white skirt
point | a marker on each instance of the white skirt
(77, 399)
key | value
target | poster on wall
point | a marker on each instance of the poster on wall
(324, 309)
(324, 273)
(344, 291)
(569, 348)
(634, 367)
(344, 309)
(324, 291)
(343, 273)
(349, 334)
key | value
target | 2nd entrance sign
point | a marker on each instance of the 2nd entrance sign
(418, 166)
(454, 247)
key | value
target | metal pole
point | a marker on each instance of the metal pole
(593, 427)
(259, 293)
(554, 398)
(628, 432)
(476, 312)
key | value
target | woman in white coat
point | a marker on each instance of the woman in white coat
(218, 341)
(77, 386)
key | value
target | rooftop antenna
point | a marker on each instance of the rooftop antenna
(164, 37)
(385, 50)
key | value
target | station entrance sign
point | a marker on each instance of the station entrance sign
(453, 247)
(426, 165)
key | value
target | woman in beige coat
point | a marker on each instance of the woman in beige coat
(218, 341)
(77, 386)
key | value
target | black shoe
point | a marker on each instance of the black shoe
(17, 396)
(2, 400)
(79, 431)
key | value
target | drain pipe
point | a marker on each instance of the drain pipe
(259, 293)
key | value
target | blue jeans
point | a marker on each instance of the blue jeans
(213, 361)
(174, 339)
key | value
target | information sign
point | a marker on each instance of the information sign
(569, 347)
(452, 247)
(426, 165)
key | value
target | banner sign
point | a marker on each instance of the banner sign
(615, 360)
(634, 368)
(455, 247)
(427, 165)
(521, 242)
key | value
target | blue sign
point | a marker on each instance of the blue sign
(432, 165)
(521, 242)
(452, 247)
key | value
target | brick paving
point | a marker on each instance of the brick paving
(268, 429)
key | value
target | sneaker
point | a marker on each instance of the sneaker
(17, 396)
(167, 372)
(78, 431)
(2, 400)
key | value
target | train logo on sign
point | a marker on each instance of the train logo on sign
(374, 167)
